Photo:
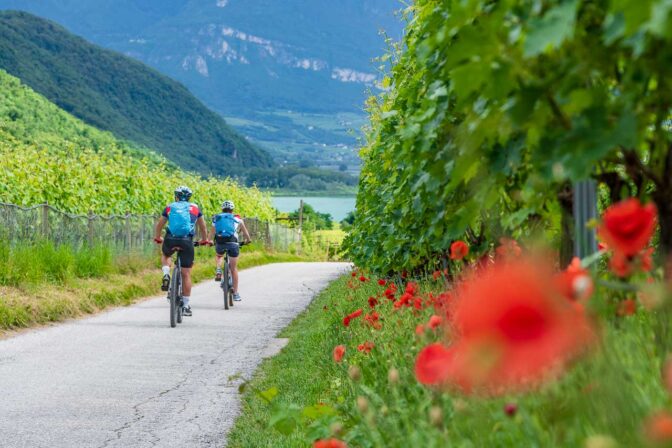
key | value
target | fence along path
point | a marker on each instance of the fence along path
(122, 232)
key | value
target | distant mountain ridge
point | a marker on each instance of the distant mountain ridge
(118, 94)
(281, 71)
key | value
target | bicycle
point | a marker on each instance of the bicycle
(227, 280)
(175, 289)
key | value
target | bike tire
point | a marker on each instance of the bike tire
(173, 294)
(180, 303)
(225, 285)
(231, 292)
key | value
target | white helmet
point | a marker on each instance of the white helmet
(228, 205)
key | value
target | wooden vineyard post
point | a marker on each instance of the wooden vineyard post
(90, 228)
(269, 240)
(45, 220)
(129, 235)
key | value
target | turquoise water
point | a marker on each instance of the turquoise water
(337, 207)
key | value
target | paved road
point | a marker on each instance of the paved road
(126, 379)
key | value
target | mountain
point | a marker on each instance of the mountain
(121, 95)
(49, 155)
(292, 74)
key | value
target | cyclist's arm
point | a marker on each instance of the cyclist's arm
(245, 232)
(212, 233)
(202, 227)
(159, 227)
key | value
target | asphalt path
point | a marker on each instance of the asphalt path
(124, 378)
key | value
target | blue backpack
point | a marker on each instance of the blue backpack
(179, 219)
(225, 225)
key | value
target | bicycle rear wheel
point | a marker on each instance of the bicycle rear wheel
(225, 284)
(173, 296)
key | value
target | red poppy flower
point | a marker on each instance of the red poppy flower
(372, 318)
(366, 347)
(646, 259)
(373, 302)
(411, 288)
(658, 427)
(381, 282)
(575, 282)
(353, 315)
(620, 265)
(627, 307)
(420, 330)
(458, 250)
(602, 246)
(434, 364)
(514, 329)
(628, 226)
(404, 274)
(510, 409)
(362, 278)
(434, 322)
(339, 351)
(436, 275)
(330, 443)
(508, 249)
(353, 273)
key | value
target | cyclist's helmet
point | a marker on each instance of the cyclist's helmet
(228, 205)
(183, 193)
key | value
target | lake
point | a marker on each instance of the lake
(337, 207)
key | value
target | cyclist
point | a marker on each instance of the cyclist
(182, 217)
(225, 228)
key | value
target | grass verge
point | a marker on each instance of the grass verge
(374, 400)
(36, 296)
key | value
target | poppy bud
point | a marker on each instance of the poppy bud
(362, 404)
(510, 409)
(436, 416)
(393, 376)
(354, 373)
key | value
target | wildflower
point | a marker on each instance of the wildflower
(411, 288)
(353, 273)
(574, 283)
(417, 303)
(363, 279)
(512, 330)
(434, 322)
(372, 318)
(628, 226)
(329, 443)
(602, 246)
(508, 249)
(373, 302)
(627, 307)
(366, 347)
(658, 427)
(646, 260)
(339, 351)
(381, 282)
(510, 409)
(620, 265)
(458, 250)
(436, 275)
(349, 317)
(420, 330)
(434, 364)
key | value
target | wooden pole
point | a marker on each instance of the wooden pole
(90, 227)
(129, 237)
(45, 220)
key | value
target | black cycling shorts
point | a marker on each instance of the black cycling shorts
(233, 249)
(186, 252)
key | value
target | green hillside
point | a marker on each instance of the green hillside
(121, 95)
(49, 155)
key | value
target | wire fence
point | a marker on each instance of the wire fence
(121, 232)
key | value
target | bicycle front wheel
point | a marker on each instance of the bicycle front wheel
(173, 295)
(225, 285)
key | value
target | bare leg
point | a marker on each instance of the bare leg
(220, 260)
(233, 265)
(186, 282)
(166, 261)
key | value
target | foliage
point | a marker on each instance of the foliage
(295, 178)
(118, 94)
(49, 156)
(494, 108)
(312, 219)
(373, 399)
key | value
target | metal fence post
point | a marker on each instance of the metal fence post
(585, 210)
(45, 220)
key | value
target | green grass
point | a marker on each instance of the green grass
(40, 283)
(610, 393)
